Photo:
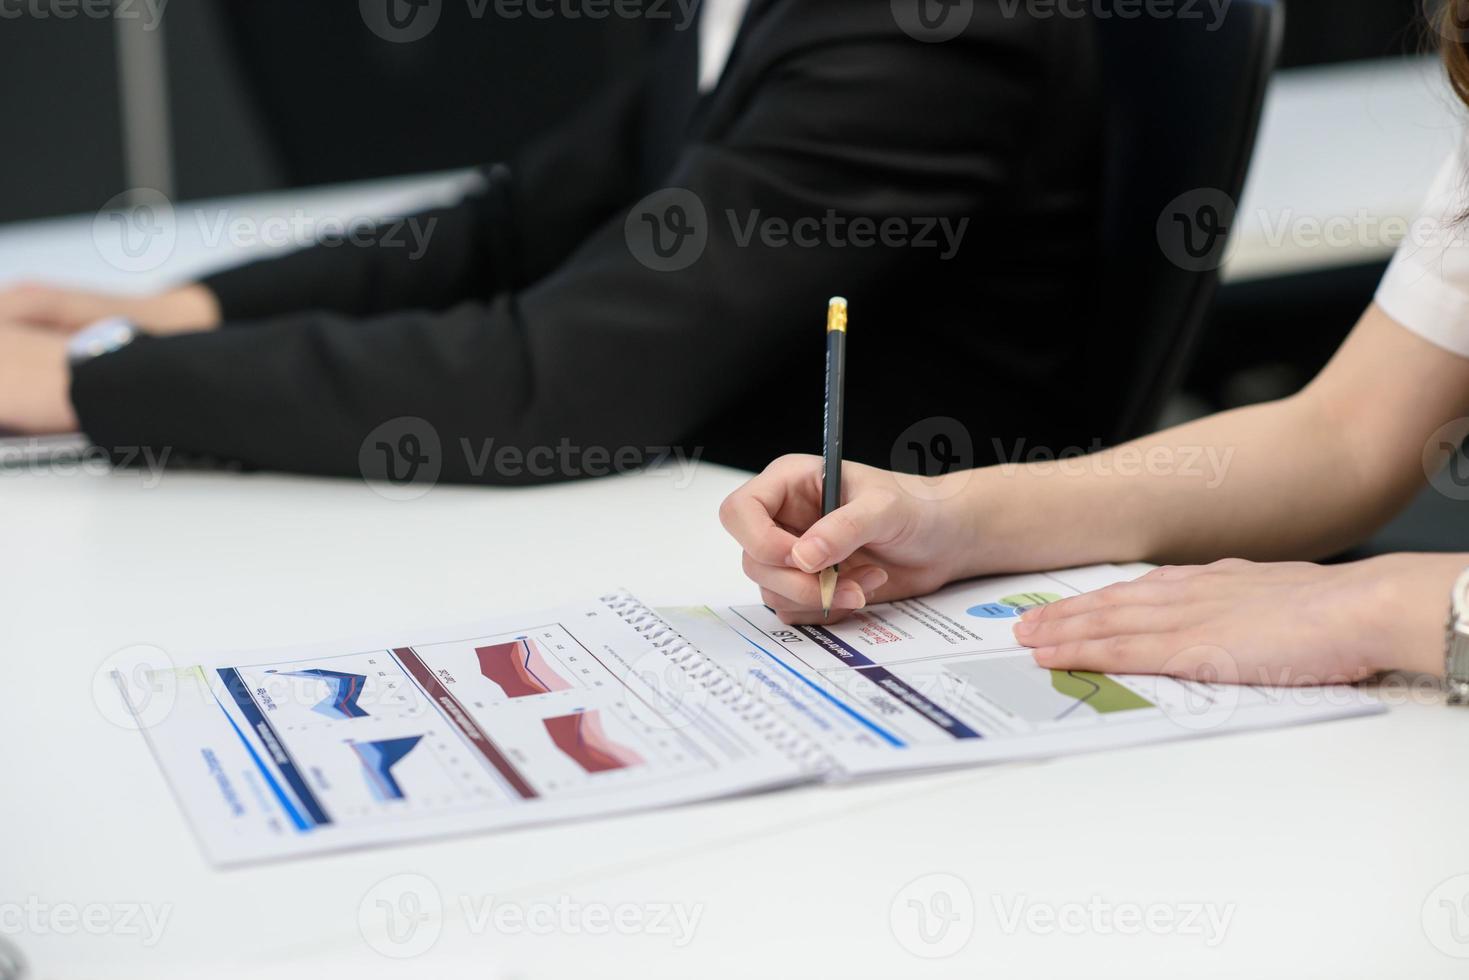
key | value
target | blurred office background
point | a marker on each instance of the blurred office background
(269, 94)
(265, 94)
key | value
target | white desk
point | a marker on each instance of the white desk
(1354, 144)
(1325, 842)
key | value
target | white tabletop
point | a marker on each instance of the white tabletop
(1319, 851)
(1345, 155)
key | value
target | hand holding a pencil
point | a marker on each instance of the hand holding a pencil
(822, 537)
(889, 535)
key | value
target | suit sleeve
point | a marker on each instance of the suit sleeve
(620, 346)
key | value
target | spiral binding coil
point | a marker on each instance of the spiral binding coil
(710, 676)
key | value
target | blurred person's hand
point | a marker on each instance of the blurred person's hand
(891, 537)
(35, 381)
(182, 310)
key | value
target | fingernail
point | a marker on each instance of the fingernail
(872, 580)
(1023, 628)
(1044, 656)
(811, 555)
(1030, 614)
(849, 596)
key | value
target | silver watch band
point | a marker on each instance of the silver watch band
(1456, 643)
(102, 337)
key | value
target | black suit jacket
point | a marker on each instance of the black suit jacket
(539, 318)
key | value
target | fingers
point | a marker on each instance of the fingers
(1127, 628)
(790, 590)
(848, 598)
(1107, 621)
(749, 522)
(749, 514)
(27, 303)
(1148, 654)
(872, 516)
(1164, 586)
(1178, 573)
(814, 617)
(788, 493)
(1140, 592)
(853, 591)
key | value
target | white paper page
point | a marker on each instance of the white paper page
(511, 722)
(941, 681)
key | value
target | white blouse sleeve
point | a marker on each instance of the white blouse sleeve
(1426, 287)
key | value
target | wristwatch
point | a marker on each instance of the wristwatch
(1456, 643)
(102, 337)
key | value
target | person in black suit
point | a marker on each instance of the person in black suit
(656, 273)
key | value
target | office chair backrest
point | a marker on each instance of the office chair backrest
(343, 97)
(1183, 97)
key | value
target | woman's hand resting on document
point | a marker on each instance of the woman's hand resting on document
(183, 310)
(1230, 622)
(1241, 622)
(892, 536)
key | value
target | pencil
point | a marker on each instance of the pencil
(831, 453)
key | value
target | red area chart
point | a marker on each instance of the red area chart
(582, 738)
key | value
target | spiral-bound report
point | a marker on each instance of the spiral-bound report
(609, 706)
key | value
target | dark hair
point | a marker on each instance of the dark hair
(1453, 29)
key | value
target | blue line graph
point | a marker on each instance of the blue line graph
(346, 691)
(378, 760)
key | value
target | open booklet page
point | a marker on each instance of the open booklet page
(941, 681)
(523, 720)
(608, 707)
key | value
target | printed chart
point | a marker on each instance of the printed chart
(520, 669)
(601, 708)
(1012, 606)
(1017, 687)
(344, 692)
(529, 722)
(944, 669)
(582, 738)
(967, 618)
(378, 759)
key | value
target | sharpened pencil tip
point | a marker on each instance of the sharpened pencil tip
(828, 579)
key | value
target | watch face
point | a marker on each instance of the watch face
(102, 337)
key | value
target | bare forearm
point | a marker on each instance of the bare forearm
(183, 310)
(1298, 478)
(1247, 482)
